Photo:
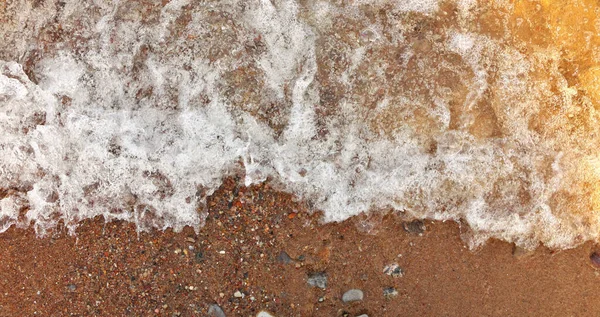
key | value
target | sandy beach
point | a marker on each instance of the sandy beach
(351, 125)
(107, 269)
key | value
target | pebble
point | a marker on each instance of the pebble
(263, 313)
(352, 295)
(199, 257)
(595, 258)
(215, 311)
(72, 287)
(390, 292)
(414, 227)
(393, 270)
(238, 294)
(363, 315)
(318, 279)
(284, 258)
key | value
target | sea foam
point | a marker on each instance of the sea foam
(137, 112)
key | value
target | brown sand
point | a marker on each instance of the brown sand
(107, 269)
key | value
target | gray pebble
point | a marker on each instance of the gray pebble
(389, 292)
(414, 227)
(199, 256)
(72, 287)
(595, 258)
(263, 313)
(318, 279)
(284, 258)
(215, 311)
(352, 295)
(363, 315)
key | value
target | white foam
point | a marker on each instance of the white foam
(133, 127)
(421, 6)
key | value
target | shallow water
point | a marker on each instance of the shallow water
(473, 111)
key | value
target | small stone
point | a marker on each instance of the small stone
(318, 279)
(263, 313)
(215, 311)
(390, 292)
(72, 287)
(190, 240)
(414, 227)
(393, 270)
(321, 299)
(363, 315)
(352, 295)
(595, 258)
(284, 258)
(199, 257)
(238, 294)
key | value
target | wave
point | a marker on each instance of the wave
(480, 112)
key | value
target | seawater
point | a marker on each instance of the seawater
(484, 112)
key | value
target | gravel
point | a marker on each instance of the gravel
(352, 295)
(284, 258)
(393, 270)
(390, 292)
(414, 227)
(199, 257)
(215, 311)
(318, 279)
(595, 258)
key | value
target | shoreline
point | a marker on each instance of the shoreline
(236, 262)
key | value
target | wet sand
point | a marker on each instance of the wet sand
(108, 269)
